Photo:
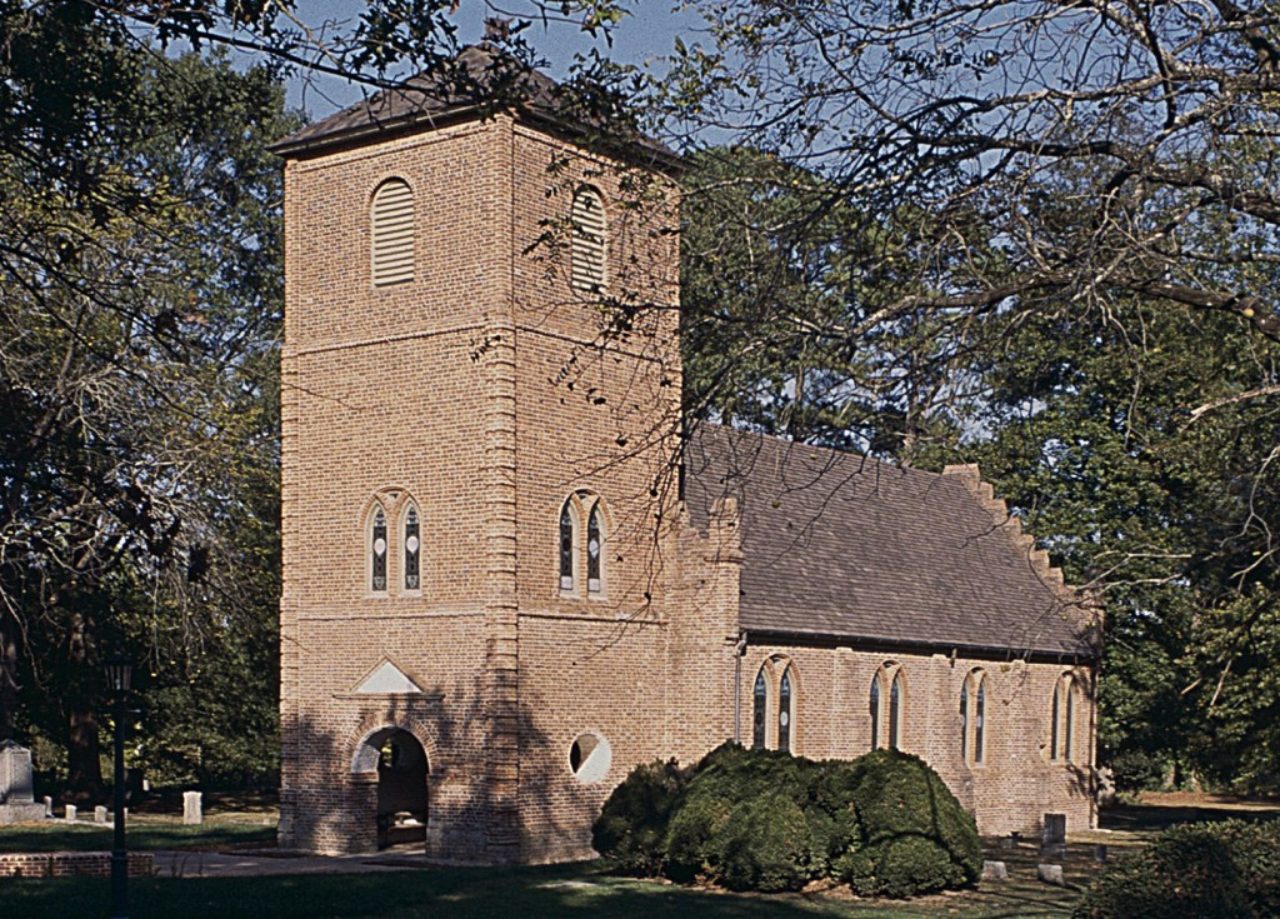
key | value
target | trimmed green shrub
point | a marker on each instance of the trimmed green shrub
(762, 820)
(1229, 869)
(631, 830)
(766, 845)
(899, 797)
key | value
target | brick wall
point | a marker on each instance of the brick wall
(485, 392)
(71, 864)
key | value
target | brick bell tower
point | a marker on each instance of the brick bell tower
(480, 386)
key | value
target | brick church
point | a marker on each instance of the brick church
(511, 573)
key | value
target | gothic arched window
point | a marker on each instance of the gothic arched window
(784, 712)
(874, 705)
(594, 549)
(412, 550)
(568, 538)
(1054, 710)
(588, 246)
(979, 719)
(964, 720)
(760, 712)
(1067, 724)
(895, 710)
(378, 551)
(391, 218)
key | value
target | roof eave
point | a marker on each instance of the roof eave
(642, 154)
(1039, 655)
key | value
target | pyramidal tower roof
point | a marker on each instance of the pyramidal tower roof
(479, 82)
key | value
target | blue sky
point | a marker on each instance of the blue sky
(642, 38)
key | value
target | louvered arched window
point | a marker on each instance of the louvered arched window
(761, 711)
(392, 228)
(589, 235)
(412, 550)
(378, 551)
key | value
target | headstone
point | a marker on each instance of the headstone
(192, 809)
(69, 813)
(1100, 854)
(995, 871)
(1051, 874)
(48, 806)
(99, 814)
(17, 800)
(1055, 830)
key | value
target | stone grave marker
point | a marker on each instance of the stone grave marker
(99, 814)
(69, 813)
(995, 871)
(1051, 874)
(48, 806)
(17, 800)
(192, 808)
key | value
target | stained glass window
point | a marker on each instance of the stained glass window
(1053, 721)
(964, 720)
(895, 709)
(378, 550)
(979, 717)
(875, 711)
(784, 712)
(566, 547)
(412, 550)
(593, 551)
(761, 696)
(1066, 727)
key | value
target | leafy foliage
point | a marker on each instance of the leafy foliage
(1207, 869)
(763, 820)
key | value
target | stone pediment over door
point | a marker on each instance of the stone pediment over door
(387, 678)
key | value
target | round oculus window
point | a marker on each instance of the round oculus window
(590, 757)
(411, 544)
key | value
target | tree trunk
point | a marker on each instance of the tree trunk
(8, 676)
(84, 767)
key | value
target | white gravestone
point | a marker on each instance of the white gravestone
(69, 813)
(192, 809)
(99, 814)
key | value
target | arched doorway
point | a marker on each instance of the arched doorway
(402, 788)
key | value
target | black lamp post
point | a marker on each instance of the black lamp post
(119, 678)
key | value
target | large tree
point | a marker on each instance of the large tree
(137, 381)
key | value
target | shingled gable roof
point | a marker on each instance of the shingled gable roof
(479, 81)
(838, 545)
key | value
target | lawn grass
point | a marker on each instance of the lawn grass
(144, 833)
(518, 893)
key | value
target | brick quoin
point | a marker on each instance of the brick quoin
(485, 392)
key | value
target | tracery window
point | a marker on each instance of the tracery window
(760, 713)
(874, 705)
(594, 582)
(588, 244)
(1062, 719)
(412, 550)
(973, 691)
(378, 551)
(895, 710)
(568, 539)
(784, 711)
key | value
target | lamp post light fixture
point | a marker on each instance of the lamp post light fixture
(119, 671)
